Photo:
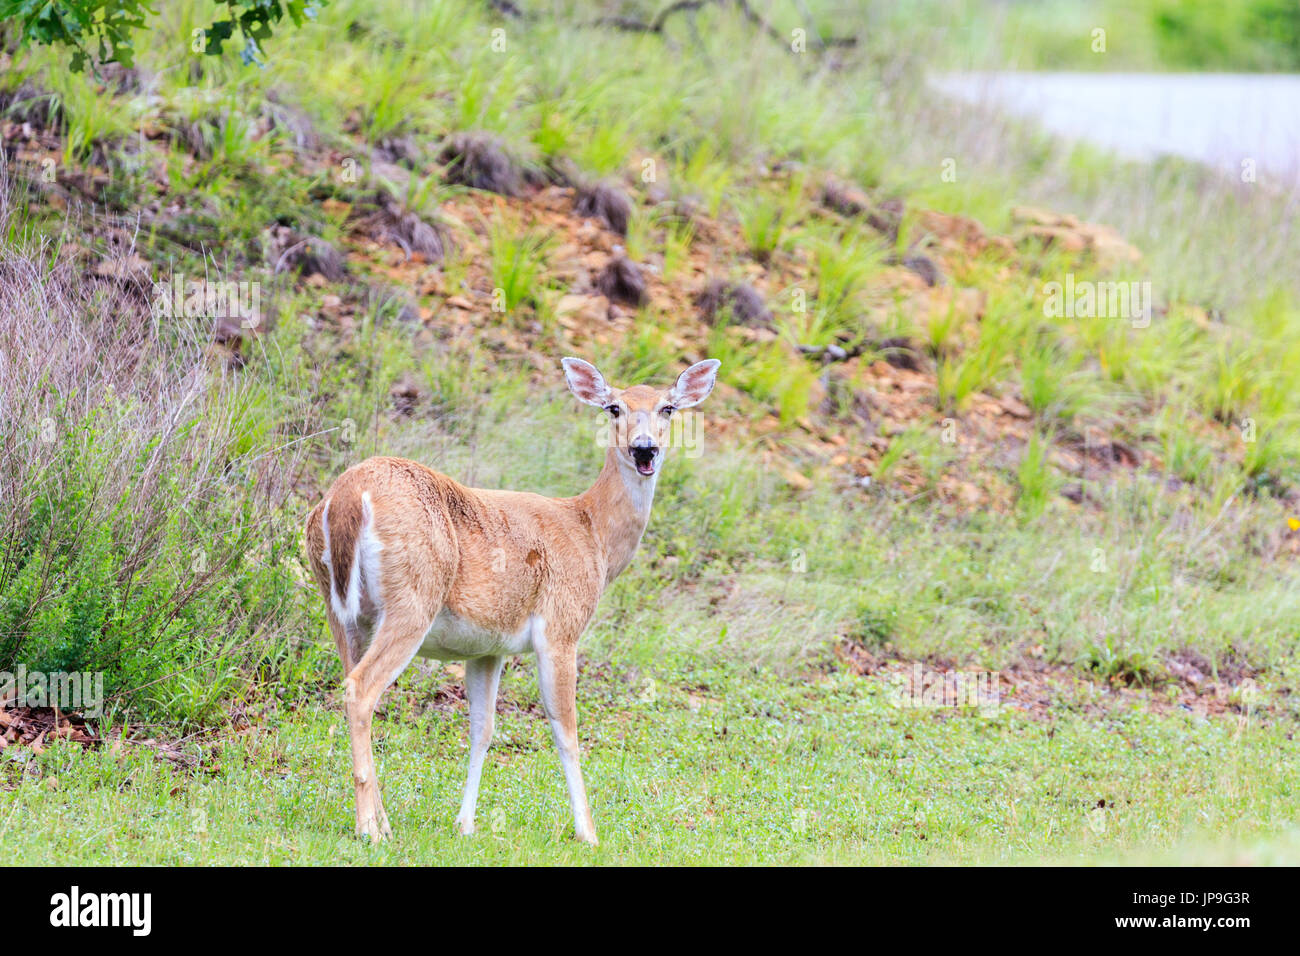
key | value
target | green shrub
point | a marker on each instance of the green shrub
(136, 539)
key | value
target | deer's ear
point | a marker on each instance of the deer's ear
(586, 382)
(693, 385)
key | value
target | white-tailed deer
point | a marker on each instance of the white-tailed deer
(411, 562)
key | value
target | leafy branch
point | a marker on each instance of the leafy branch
(102, 31)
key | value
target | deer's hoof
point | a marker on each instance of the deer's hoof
(375, 829)
(464, 827)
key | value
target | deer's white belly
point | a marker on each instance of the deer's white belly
(452, 638)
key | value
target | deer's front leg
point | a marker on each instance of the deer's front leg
(557, 678)
(482, 675)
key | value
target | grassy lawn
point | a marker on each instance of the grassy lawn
(704, 766)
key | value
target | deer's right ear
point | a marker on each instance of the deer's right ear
(586, 382)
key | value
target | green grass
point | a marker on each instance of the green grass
(765, 219)
(1035, 477)
(706, 766)
(518, 266)
(1146, 35)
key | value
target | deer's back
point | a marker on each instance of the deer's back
(485, 562)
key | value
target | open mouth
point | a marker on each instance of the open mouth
(644, 458)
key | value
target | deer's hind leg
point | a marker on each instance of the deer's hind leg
(399, 635)
(342, 642)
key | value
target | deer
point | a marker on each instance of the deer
(411, 562)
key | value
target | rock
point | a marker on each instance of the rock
(847, 199)
(1052, 230)
(738, 301)
(900, 352)
(605, 202)
(581, 312)
(1015, 407)
(925, 267)
(954, 232)
(287, 250)
(1064, 461)
(1034, 216)
(795, 479)
(390, 221)
(621, 281)
(405, 395)
(844, 198)
(481, 161)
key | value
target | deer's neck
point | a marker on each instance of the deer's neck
(618, 508)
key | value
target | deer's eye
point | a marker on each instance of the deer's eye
(667, 411)
(614, 411)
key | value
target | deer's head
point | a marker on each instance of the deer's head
(641, 416)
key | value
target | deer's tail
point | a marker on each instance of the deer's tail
(347, 524)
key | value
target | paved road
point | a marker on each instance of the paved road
(1221, 119)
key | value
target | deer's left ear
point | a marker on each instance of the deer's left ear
(693, 385)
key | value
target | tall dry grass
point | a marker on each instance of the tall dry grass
(142, 524)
